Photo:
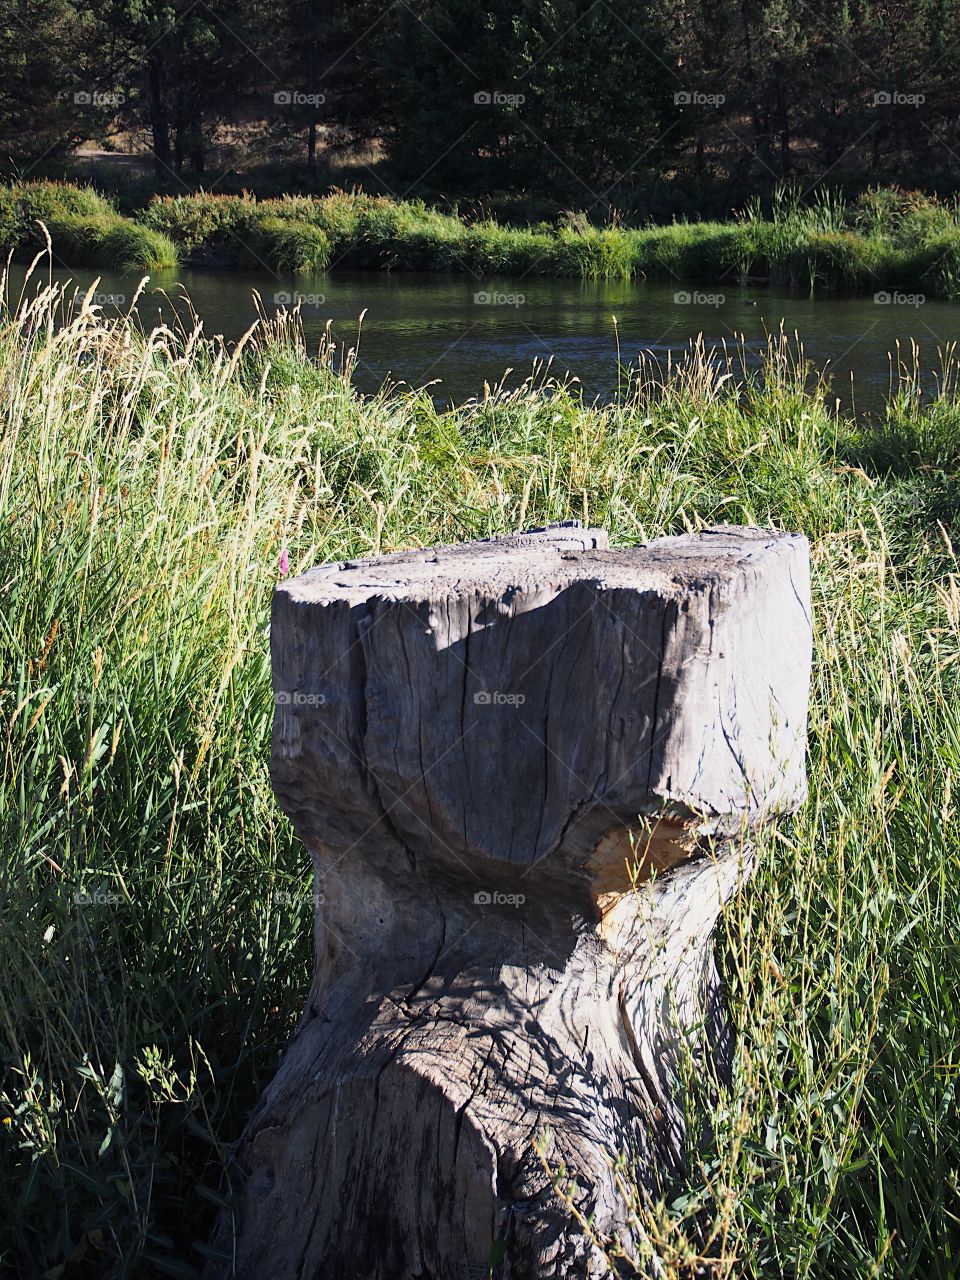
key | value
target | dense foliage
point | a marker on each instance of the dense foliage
(669, 107)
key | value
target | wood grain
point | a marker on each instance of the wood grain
(527, 770)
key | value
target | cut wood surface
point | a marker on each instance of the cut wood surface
(527, 770)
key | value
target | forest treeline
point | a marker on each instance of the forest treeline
(588, 101)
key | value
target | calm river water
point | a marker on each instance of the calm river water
(457, 333)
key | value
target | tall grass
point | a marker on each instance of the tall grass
(887, 239)
(156, 941)
(84, 226)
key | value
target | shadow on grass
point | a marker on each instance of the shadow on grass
(915, 450)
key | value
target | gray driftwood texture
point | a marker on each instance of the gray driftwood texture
(527, 770)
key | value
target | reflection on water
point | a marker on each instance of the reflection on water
(457, 333)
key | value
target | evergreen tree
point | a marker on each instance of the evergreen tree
(602, 83)
(49, 83)
(454, 68)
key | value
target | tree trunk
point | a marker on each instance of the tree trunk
(159, 127)
(311, 43)
(784, 118)
(198, 146)
(527, 770)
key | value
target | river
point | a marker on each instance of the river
(456, 333)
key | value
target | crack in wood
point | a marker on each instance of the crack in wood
(523, 915)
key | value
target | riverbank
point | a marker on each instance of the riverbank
(887, 241)
(156, 935)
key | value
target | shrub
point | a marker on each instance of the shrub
(598, 255)
(49, 200)
(9, 220)
(690, 251)
(288, 244)
(128, 246)
(85, 229)
(202, 220)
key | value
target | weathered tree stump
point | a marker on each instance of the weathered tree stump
(477, 743)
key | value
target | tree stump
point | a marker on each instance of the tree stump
(527, 770)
